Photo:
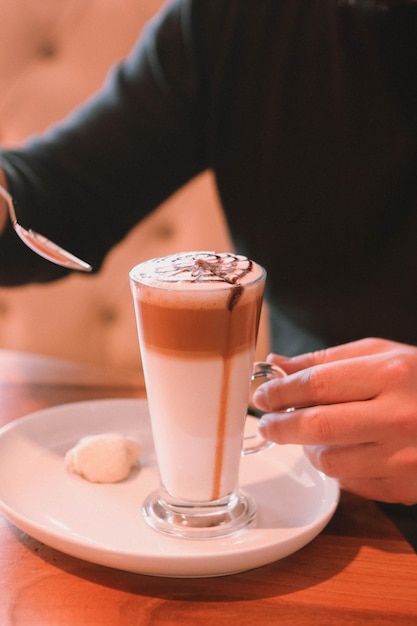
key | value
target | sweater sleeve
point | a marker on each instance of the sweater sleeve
(88, 180)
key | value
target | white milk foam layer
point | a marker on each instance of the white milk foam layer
(185, 437)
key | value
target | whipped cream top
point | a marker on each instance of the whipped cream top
(189, 273)
(199, 268)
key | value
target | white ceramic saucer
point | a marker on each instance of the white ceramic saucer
(103, 523)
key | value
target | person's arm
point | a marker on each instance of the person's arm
(90, 179)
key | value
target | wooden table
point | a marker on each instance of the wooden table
(359, 570)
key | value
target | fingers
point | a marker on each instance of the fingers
(348, 462)
(362, 347)
(341, 381)
(376, 471)
(341, 424)
(360, 377)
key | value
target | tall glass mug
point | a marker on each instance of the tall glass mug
(197, 315)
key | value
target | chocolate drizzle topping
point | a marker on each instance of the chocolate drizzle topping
(207, 267)
(232, 279)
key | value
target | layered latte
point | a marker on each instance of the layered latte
(198, 315)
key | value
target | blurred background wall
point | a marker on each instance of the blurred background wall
(53, 54)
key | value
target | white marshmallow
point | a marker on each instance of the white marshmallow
(106, 458)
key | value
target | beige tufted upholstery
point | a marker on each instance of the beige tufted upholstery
(53, 54)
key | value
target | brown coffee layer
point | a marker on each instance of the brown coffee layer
(218, 332)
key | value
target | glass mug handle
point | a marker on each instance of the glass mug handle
(262, 371)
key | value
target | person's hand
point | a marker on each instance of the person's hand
(358, 415)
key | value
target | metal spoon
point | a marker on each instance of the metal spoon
(40, 244)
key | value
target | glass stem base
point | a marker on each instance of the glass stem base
(201, 520)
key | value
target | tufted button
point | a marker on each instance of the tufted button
(4, 308)
(107, 315)
(47, 50)
(164, 230)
